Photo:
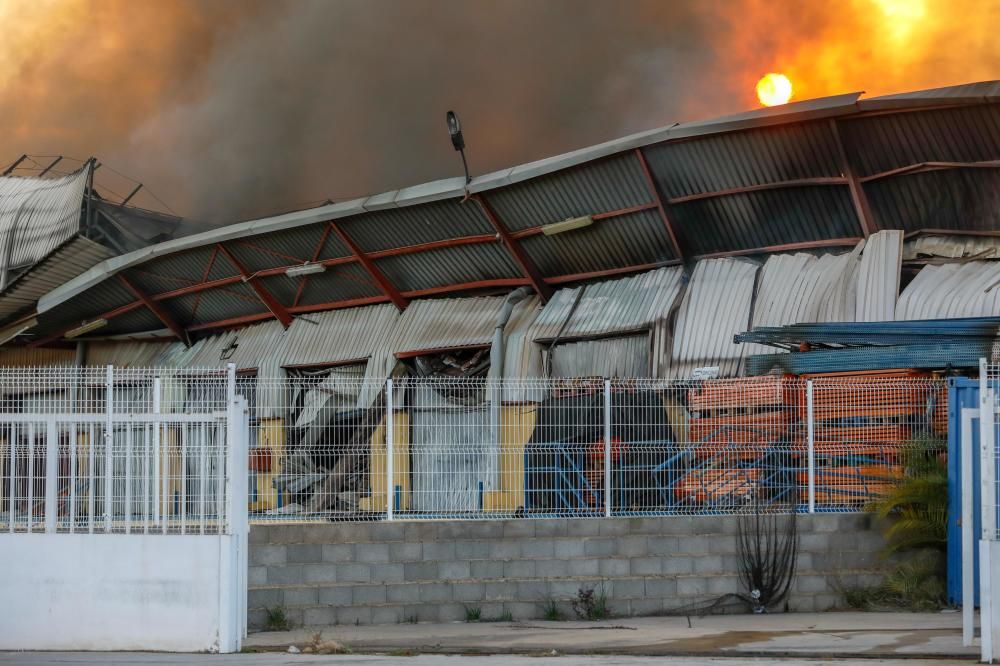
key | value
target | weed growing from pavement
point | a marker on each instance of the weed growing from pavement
(592, 604)
(277, 620)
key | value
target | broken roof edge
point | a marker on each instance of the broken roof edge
(456, 187)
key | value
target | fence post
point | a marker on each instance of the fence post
(157, 388)
(390, 491)
(811, 445)
(109, 440)
(607, 448)
(51, 475)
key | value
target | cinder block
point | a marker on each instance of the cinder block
(304, 553)
(708, 564)
(551, 528)
(354, 615)
(390, 572)
(804, 562)
(627, 588)
(338, 552)
(646, 526)
(453, 612)
(583, 527)
(372, 552)
(693, 544)
(472, 550)
(612, 527)
(599, 547)
(264, 598)
(639, 607)
(566, 548)
(387, 615)
(505, 550)
(258, 535)
(677, 565)
(811, 584)
(467, 591)
(414, 571)
(368, 594)
(519, 569)
(566, 589)
(420, 613)
(289, 574)
(454, 570)
(815, 542)
(632, 546)
(279, 534)
(324, 573)
(692, 587)
(353, 573)
(825, 602)
(406, 594)
(722, 544)
(723, 585)
(662, 545)
(614, 567)
(499, 591)
(338, 533)
(583, 567)
(335, 595)
(537, 548)
(645, 566)
(300, 596)
(660, 588)
(521, 610)
(486, 569)
(256, 618)
(274, 555)
(439, 551)
(319, 617)
(256, 575)
(406, 551)
(386, 531)
(518, 529)
(421, 531)
(532, 590)
(550, 568)
(435, 592)
(470, 529)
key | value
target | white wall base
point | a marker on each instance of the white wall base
(120, 592)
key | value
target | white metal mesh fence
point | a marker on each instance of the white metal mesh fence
(989, 389)
(340, 448)
(113, 450)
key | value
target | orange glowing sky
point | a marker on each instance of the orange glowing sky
(232, 107)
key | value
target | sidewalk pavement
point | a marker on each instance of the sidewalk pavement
(882, 635)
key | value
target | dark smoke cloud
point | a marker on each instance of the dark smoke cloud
(235, 109)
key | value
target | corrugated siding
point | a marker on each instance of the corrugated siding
(952, 290)
(716, 307)
(129, 353)
(954, 199)
(413, 225)
(952, 247)
(878, 277)
(22, 357)
(627, 356)
(447, 322)
(37, 215)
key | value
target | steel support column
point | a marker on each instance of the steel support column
(858, 197)
(157, 309)
(269, 301)
(516, 251)
(381, 280)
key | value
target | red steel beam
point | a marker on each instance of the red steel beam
(858, 197)
(204, 278)
(315, 255)
(157, 309)
(655, 193)
(798, 182)
(930, 166)
(269, 301)
(383, 283)
(520, 257)
(787, 247)
(499, 283)
(579, 277)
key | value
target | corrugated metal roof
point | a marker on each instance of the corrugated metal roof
(129, 353)
(797, 288)
(967, 93)
(37, 215)
(953, 199)
(447, 322)
(878, 277)
(72, 258)
(716, 307)
(952, 290)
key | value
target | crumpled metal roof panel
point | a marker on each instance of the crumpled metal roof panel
(952, 290)
(37, 215)
(716, 307)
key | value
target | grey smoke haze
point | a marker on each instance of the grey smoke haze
(236, 108)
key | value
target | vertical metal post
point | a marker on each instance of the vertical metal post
(51, 475)
(31, 475)
(128, 478)
(968, 537)
(987, 467)
(73, 471)
(224, 474)
(184, 479)
(390, 491)
(811, 446)
(91, 480)
(109, 410)
(13, 476)
(607, 448)
(156, 452)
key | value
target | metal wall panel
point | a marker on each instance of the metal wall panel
(623, 357)
(952, 290)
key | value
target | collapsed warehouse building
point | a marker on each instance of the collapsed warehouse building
(644, 257)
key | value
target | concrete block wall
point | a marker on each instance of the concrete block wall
(392, 572)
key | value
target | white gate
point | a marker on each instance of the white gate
(123, 521)
(989, 543)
